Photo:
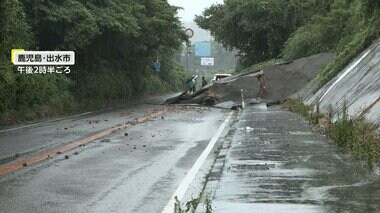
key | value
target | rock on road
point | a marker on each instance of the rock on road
(136, 169)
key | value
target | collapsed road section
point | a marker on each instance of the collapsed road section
(283, 80)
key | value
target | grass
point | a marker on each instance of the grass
(306, 111)
(356, 136)
(353, 135)
(191, 205)
(360, 42)
(69, 107)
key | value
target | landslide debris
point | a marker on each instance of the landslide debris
(283, 80)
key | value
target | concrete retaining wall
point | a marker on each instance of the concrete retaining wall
(358, 84)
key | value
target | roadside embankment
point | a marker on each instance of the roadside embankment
(351, 102)
(358, 86)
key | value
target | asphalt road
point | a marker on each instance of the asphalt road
(136, 169)
(274, 162)
(269, 160)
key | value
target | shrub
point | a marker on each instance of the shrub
(355, 136)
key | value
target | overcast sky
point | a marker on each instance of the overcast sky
(192, 7)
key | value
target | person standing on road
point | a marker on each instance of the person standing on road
(263, 84)
(190, 84)
(194, 83)
(204, 82)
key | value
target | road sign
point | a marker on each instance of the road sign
(203, 49)
(189, 32)
(157, 66)
(207, 61)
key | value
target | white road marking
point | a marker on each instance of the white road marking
(182, 188)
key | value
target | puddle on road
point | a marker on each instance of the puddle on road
(299, 133)
(252, 167)
(226, 207)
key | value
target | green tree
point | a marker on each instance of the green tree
(15, 34)
(116, 43)
(258, 29)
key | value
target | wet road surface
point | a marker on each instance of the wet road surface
(275, 163)
(270, 161)
(26, 141)
(133, 170)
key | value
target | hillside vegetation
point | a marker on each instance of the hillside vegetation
(116, 43)
(266, 29)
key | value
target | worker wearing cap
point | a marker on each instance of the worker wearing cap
(263, 84)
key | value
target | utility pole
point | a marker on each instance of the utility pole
(188, 45)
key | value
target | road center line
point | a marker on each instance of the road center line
(64, 148)
(182, 188)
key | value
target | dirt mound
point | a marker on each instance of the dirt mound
(283, 80)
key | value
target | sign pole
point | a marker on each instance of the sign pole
(190, 33)
(187, 57)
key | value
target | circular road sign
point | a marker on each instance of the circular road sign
(189, 32)
(157, 66)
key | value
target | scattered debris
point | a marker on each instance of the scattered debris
(237, 107)
(249, 129)
(125, 113)
(106, 140)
